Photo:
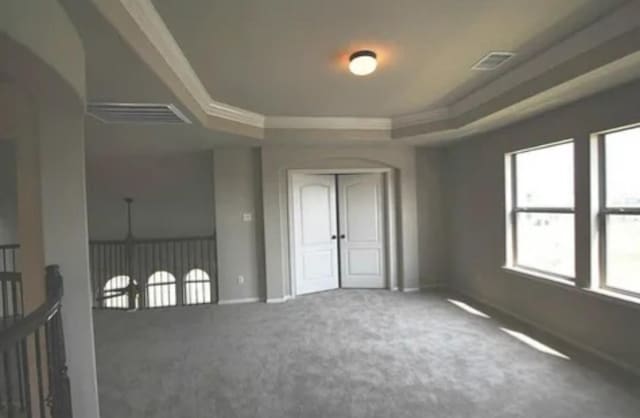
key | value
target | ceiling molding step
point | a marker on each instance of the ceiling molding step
(236, 114)
(622, 20)
(327, 136)
(403, 121)
(596, 66)
(610, 76)
(329, 123)
(150, 22)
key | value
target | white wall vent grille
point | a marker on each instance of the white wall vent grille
(492, 60)
(149, 113)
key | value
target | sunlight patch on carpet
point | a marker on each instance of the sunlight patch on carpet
(535, 344)
(468, 308)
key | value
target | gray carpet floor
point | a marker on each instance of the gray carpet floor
(345, 353)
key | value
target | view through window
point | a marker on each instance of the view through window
(542, 209)
(620, 213)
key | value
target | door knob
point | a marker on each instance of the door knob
(343, 236)
(333, 237)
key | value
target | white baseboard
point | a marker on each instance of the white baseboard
(279, 300)
(236, 301)
(567, 340)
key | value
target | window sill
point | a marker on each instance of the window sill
(602, 294)
(536, 275)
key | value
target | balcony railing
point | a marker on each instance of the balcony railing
(9, 256)
(149, 273)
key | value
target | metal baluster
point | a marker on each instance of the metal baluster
(214, 265)
(185, 266)
(25, 378)
(41, 397)
(164, 265)
(139, 262)
(151, 265)
(5, 354)
(18, 362)
(103, 273)
(19, 366)
(207, 262)
(180, 283)
(13, 259)
(191, 261)
(202, 267)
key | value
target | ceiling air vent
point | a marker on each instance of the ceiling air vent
(492, 60)
(149, 113)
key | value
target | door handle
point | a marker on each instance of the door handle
(333, 237)
(342, 236)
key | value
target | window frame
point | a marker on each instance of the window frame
(511, 186)
(604, 212)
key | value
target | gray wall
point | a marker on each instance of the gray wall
(173, 195)
(474, 172)
(236, 175)
(432, 226)
(8, 193)
(277, 160)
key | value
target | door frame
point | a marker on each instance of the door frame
(390, 222)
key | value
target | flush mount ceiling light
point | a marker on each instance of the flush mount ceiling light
(363, 62)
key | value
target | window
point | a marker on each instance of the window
(541, 210)
(161, 290)
(116, 293)
(620, 211)
(197, 287)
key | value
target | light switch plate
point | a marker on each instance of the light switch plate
(247, 217)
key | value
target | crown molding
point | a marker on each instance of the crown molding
(347, 123)
(236, 114)
(533, 77)
(427, 116)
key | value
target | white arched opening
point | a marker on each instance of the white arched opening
(161, 290)
(197, 287)
(110, 287)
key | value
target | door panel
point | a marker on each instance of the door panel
(364, 261)
(315, 249)
(362, 243)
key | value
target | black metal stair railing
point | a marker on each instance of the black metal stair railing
(33, 377)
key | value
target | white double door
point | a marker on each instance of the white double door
(338, 232)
